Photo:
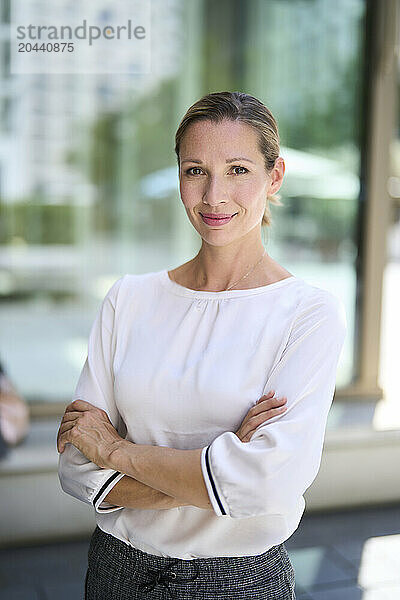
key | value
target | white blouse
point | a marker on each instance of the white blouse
(181, 368)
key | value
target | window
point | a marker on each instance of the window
(107, 202)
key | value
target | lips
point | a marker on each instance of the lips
(219, 219)
(216, 216)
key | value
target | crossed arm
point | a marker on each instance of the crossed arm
(166, 477)
(157, 477)
(130, 493)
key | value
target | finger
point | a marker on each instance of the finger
(61, 445)
(61, 441)
(67, 419)
(261, 417)
(70, 432)
(266, 416)
(79, 405)
(69, 416)
(61, 436)
(267, 404)
(254, 423)
(267, 395)
(65, 427)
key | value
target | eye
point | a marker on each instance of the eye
(188, 171)
(239, 167)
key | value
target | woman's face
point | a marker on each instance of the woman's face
(222, 172)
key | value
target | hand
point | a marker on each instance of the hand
(89, 429)
(264, 409)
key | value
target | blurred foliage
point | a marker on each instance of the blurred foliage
(226, 37)
(122, 145)
(31, 222)
(316, 224)
(143, 129)
(331, 124)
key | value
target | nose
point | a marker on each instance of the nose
(215, 192)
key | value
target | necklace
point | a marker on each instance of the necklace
(248, 273)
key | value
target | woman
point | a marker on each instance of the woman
(178, 434)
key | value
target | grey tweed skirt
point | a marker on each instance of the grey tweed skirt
(117, 571)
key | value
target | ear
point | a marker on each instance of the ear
(276, 175)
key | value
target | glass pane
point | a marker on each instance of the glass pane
(88, 172)
(305, 62)
(88, 192)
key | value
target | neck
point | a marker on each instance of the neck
(215, 270)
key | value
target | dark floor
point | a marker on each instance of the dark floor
(349, 555)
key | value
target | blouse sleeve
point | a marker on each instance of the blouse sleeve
(269, 473)
(78, 476)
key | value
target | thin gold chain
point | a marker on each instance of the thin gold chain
(248, 273)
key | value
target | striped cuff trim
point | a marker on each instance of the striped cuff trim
(213, 486)
(105, 485)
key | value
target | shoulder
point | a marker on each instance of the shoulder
(316, 305)
(131, 286)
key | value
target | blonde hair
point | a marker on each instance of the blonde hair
(238, 106)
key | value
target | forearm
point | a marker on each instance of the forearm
(130, 493)
(176, 473)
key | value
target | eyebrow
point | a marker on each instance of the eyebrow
(228, 160)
